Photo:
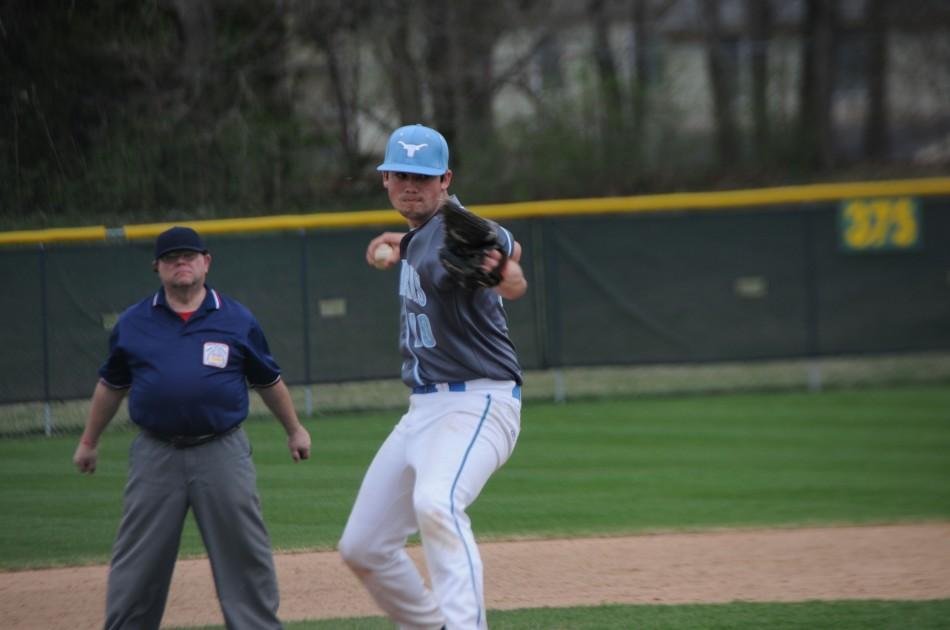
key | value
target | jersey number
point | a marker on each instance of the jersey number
(420, 331)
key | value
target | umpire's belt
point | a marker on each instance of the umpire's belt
(187, 441)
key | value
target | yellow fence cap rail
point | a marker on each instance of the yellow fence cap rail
(271, 223)
(761, 197)
(810, 193)
(31, 237)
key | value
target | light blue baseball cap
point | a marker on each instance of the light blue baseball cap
(416, 149)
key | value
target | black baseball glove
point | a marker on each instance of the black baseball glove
(468, 238)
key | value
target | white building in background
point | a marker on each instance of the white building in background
(918, 68)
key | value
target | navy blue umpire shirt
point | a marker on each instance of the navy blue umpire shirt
(188, 377)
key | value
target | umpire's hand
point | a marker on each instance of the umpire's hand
(299, 444)
(85, 457)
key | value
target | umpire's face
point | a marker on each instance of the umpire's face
(416, 197)
(183, 269)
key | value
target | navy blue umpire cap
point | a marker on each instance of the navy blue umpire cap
(416, 149)
(178, 238)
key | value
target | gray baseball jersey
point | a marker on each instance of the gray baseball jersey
(449, 334)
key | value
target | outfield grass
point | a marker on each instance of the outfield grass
(594, 467)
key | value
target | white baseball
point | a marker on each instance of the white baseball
(381, 255)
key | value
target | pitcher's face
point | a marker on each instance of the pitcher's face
(416, 197)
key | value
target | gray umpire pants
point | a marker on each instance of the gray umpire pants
(218, 481)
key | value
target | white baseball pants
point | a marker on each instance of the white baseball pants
(428, 471)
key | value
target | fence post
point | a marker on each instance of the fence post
(44, 317)
(552, 352)
(305, 305)
(813, 344)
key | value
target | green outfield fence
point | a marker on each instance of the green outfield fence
(812, 271)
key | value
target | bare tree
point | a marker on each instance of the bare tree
(818, 81)
(403, 72)
(331, 27)
(608, 81)
(877, 122)
(549, 62)
(478, 27)
(440, 66)
(461, 38)
(640, 19)
(196, 33)
(758, 19)
(720, 79)
(608, 78)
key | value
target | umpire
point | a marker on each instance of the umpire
(186, 356)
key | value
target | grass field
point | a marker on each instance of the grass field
(583, 468)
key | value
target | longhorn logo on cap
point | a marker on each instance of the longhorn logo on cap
(412, 148)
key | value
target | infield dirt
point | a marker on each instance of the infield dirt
(899, 562)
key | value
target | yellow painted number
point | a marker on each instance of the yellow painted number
(905, 224)
(880, 224)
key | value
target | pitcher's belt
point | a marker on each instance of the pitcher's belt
(468, 386)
